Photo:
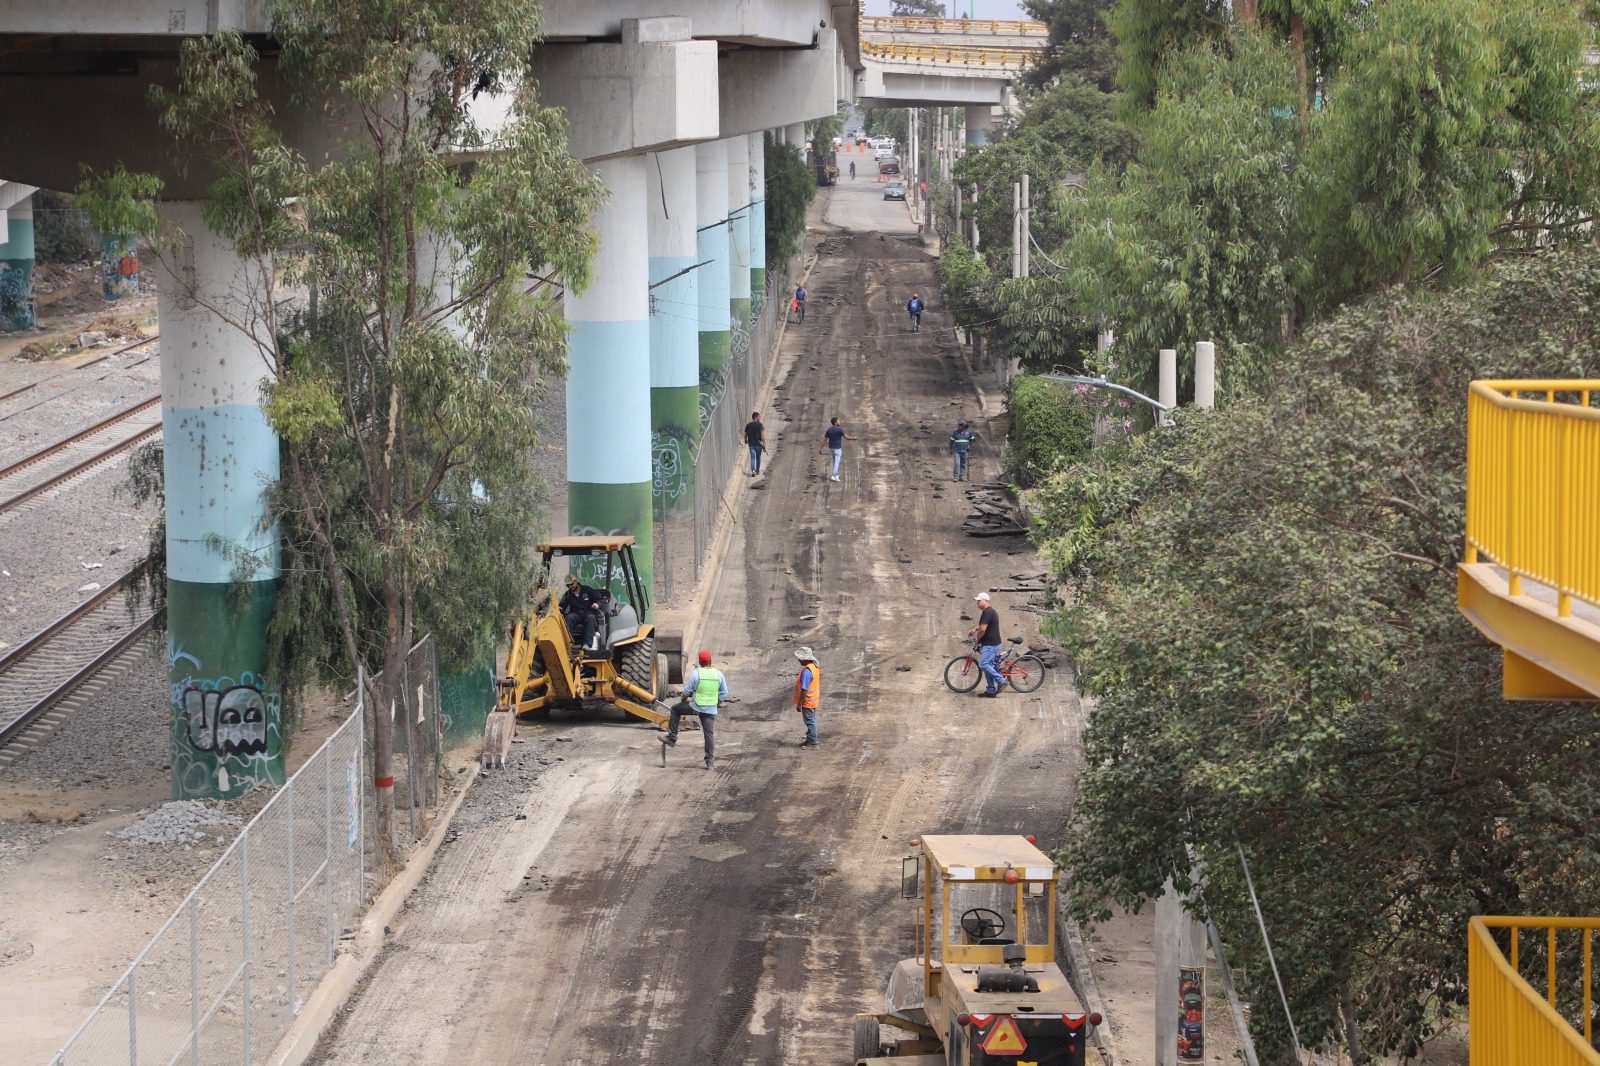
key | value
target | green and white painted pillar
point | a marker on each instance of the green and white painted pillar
(674, 329)
(608, 380)
(758, 221)
(222, 552)
(980, 120)
(739, 242)
(711, 215)
(16, 265)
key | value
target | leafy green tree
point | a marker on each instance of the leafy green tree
(1455, 130)
(1262, 602)
(917, 8)
(403, 391)
(888, 122)
(1194, 240)
(791, 186)
(1080, 46)
(1146, 31)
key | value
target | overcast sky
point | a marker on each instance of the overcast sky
(978, 9)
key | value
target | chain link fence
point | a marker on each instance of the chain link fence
(225, 977)
(683, 540)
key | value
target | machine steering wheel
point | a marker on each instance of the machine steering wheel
(981, 923)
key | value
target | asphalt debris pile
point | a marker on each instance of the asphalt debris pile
(993, 513)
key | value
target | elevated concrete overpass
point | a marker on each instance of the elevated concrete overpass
(941, 62)
(672, 102)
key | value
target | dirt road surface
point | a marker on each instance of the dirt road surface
(595, 907)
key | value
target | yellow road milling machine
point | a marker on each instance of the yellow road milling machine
(983, 988)
(626, 663)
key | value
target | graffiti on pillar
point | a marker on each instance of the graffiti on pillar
(227, 732)
(1191, 1014)
(16, 295)
(712, 382)
(741, 340)
(670, 464)
(119, 267)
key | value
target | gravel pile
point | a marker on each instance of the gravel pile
(178, 822)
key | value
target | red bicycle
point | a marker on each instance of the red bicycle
(1022, 671)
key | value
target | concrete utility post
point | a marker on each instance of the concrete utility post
(608, 376)
(1027, 229)
(220, 457)
(1205, 375)
(1167, 388)
(980, 120)
(1016, 229)
(674, 329)
(1180, 981)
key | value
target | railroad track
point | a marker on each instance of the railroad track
(31, 390)
(78, 454)
(44, 677)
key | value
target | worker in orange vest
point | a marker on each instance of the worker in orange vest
(808, 694)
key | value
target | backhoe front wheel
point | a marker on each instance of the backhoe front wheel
(638, 663)
(868, 1037)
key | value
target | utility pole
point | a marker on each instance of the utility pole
(1016, 229)
(1027, 229)
(1205, 375)
(974, 218)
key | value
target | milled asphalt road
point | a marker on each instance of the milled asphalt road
(604, 909)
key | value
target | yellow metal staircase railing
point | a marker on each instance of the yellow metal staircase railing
(1531, 576)
(1001, 58)
(972, 27)
(1511, 1024)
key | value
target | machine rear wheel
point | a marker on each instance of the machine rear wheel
(1026, 674)
(962, 673)
(868, 1037)
(637, 664)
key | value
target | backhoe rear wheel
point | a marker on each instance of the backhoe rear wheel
(868, 1036)
(637, 664)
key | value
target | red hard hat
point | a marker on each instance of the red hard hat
(705, 657)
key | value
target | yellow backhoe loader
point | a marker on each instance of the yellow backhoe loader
(626, 663)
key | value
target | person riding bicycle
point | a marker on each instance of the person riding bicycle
(987, 634)
(852, 171)
(914, 309)
(798, 303)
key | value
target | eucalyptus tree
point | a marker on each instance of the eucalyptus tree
(403, 342)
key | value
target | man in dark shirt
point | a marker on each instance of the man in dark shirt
(833, 439)
(988, 636)
(755, 436)
(581, 606)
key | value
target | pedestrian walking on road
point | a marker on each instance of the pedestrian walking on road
(987, 634)
(833, 439)
(703, 690)
(808, 694)
(798, 304)
(755, 437)
(960, 441)
(914, 309)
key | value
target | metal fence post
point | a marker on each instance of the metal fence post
(244, 919)
(133, 1019)
(328, 935)
(194, 980)
(294, 996)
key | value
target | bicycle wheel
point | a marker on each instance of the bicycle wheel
(962, 673)
(1025, 673)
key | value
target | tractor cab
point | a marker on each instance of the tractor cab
(604, 563)
(983, 987)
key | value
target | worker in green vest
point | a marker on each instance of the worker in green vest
(703, 690)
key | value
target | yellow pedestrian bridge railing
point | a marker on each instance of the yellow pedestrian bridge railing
(1510, 1023)
(975, 27)
(1530, 579)
(997, 58)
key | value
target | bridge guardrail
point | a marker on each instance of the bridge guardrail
(1533, 484)
(1510, 1023)
(999, 58)
(975, 27)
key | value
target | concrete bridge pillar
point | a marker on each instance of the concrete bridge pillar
(796, 136)
(222, 557)
(739, 242)
(711, 200)
(758, 221)
(608, 377)
(674, 329)
(16, 265)
(980, 121)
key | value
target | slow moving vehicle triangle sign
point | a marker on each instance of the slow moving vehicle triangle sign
(1005, 1038)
